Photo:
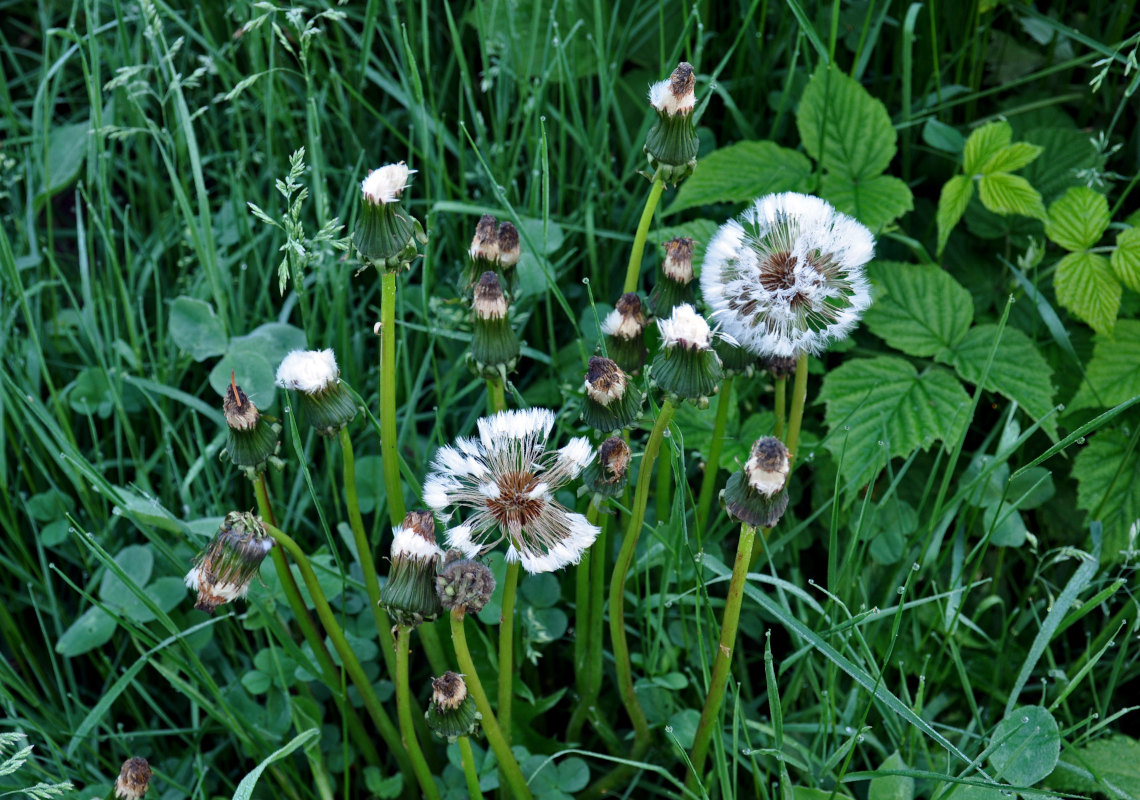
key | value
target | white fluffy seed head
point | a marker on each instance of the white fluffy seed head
(526, 423)
(387, 184)
(410, 544)
(308, 371)
(685, 327)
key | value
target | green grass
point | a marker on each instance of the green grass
(134, 138)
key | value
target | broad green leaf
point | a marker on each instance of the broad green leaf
(1029, 746)
(891, 787)
(245, 789)
(1107, 487)
(683, 726)
(196, 328)
(272, 341)
(956, 194)
(1008, 527)
(1087, 287)
(1109, 766)
(1078, 218)
(1019, 372)
(983, 143)
(137, 561)
(1068, 151)
(843, 127)
(67, 147)
(742, 171)
(1125, 259)
(1113, 372)
(920, 310)
(943, 137)
(256, 376)
(94, 628)
(891, 411)
(90, 393)
(1011, 158)
(1003, 193)
(876, 202)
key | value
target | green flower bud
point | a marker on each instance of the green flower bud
(464, 583)
(608, 474)
(671, 145)
(315, 377)
(757, 494)
(252, 441)
(611, 402)
(451, 713)
(387, 236)
(409, 594)
(673, 286)
(494, 346)
(624, 329)
(687, 366)
(224, 571)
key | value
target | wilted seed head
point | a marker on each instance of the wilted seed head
(605, 381)
(448, 691)
(627, 320)
(225, 570)
(614, 456)
(485, 245)
(767, 466)
(422, 524)
(678, 264)
(240, 412)
(464, 583)
(133, 780)
(675, 95)
(409, 594)
(509, 248)
(780, 366)
(489, 301)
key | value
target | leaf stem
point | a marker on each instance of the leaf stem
(404, 714)
(633, 271)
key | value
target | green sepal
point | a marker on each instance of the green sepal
(450, 725)
(328, 411)
(386, 238)
(671, 147)
(494, 345)
(630, 354)
(254, 450)
(594, 480)
(689, 374)
(619, 414)
(409, 595)
(734, 358)
(745, 504)
(667, 294)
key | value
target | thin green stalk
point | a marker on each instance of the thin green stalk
(582, 605)
(508, 765)
(469, 771)
(708, 482)
(633, 271)
(780, 405)
(364, 554)
(388, 451)
(799, 396)
(404, 713)
(497, 394)
(507, 647)
(348, 658)
(617, 602)
(723, 663)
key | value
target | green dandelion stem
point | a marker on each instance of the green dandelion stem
(799, 396)
(404, 714)
(780, 406)
(469, 772)
(388, 452)
(633, 271)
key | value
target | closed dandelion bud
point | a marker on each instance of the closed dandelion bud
(409, 595)
(757, 494)
(485, 246)
(611, 402)
(509, 247)
(734, 358)
(608, 474)
(451, 713)
(671, 145)
(387, 236)
(780, 366)
(251, 440)
(313, 374)
(133, 780)
(687, 366)
(464, 583)
(494, 346)
(624, 329)
(224, 571)
(672, 287)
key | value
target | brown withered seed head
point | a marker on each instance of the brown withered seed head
(780, 366)
(767, 466)
(682, 81)
(463, 583)
(605, 381)
(508, 241)
(133, 780)
(421, 523)
(489, 301)
(633, 318)
(614, 456)
(485, 244)
(240, 412)
(448, 691)
(678, 265)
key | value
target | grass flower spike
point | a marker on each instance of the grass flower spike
(786, 278)
(687, 366)
(409, 595)
(225, 570)
(386, 238)
(133, 780)
(507, 478)
(314, 375)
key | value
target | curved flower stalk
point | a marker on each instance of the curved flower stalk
(508, 478)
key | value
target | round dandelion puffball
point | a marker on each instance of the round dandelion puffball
(308, 371)
(786, 277)
(386, 184)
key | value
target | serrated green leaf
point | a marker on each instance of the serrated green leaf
(843, 127)
(1029, 746)
(1078, 218)
(1087, 287)
(1125, 259)
(1113, 373)
(1003, 193)
(891, 787)
(983, 143)
(1107, 766)
(1107, 487)
(1011, 158)
(1067, 152)
(956, 194)
(741, 172)
(886, 400)
(1019, 371)
(875, 202)
(196, 328)
(920, 310)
